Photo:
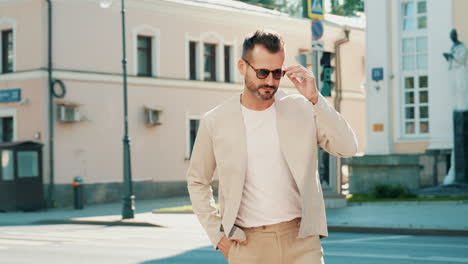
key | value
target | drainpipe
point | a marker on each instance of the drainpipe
(50, 199)
(339, 95)
(338, 43)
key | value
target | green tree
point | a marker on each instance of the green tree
(348, 8)
(292, 7)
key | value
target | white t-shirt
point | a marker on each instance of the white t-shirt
(270, 193)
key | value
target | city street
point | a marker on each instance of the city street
(182, 240)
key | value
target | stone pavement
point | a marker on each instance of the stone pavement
(425, 218)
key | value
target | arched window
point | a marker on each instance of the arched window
(146, 50)
(7, 45)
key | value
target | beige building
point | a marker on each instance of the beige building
(181, 62)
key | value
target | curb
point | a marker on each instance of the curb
(96, 222)
(165, 211)
(331, 228)
(409, 203)
(398, 231)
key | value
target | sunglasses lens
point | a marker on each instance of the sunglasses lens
(262, 74)
(277, 74)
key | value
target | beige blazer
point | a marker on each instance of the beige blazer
(220, 147)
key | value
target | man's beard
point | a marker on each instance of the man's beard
(256, 90)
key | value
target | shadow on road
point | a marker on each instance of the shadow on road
(204, 255)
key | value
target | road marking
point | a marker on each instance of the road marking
(416, 244)
(41, 237)
(364, 239)
(402, 257)
(22, 242)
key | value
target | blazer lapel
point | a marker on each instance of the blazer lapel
(235, 127)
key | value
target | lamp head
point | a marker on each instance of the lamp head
(105, 3)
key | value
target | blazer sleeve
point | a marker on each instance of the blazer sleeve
(199, 177)
(334, 134)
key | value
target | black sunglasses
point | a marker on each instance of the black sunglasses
(263, 73)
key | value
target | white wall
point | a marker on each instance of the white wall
(383, 50)
(377, 56)
(440, 92)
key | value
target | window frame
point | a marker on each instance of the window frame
(10, 113)
(189, 149)
(149, 53)
(193, 62)
(10, 27)
(155, 34)
(228, 65)
(414, 73)
(220, 42)
(213, 58)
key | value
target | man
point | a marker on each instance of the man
(263, 145)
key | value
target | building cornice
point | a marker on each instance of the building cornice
(116, 78)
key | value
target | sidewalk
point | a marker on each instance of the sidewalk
(425, 218)
(448, 218)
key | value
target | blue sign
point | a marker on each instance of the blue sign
(315, 8)
(377, 74)
(317, 29)
(11, 95)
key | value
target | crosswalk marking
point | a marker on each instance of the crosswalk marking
(364, 239)
(415, 245)
(402, 257)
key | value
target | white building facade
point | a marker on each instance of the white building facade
(409, 89)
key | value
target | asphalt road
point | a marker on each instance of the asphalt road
(73, 244)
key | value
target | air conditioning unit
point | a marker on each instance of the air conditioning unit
(68, 113)
(152, 116)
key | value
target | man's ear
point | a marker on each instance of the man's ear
(241, 66)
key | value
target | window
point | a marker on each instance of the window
(6, 129)
(28, 164)
(414, 53)
(7, 165)
(7, 51)
(193, 60)
(414, 64)
(209, 73)
(193, 129)
(144, 56)
(414, 14)
(227, 64)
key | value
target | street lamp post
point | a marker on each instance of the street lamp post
(128, 199)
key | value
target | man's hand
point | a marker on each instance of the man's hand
(306, 85)
(224, 245)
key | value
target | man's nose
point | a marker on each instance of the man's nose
(269, 79)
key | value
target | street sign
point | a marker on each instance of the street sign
(317, 45)
(314, 9)
(11, 95)
(317, 29)
(377, 74)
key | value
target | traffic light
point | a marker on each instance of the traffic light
(302, 59)
(326, 74)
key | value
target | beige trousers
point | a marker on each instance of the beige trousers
(277, 244)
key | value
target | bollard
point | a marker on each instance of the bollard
(77, 185)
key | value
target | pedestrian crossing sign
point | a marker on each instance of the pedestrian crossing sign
(314, 9)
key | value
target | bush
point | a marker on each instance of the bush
(383, 191)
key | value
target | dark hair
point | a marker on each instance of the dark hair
(271, 40)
